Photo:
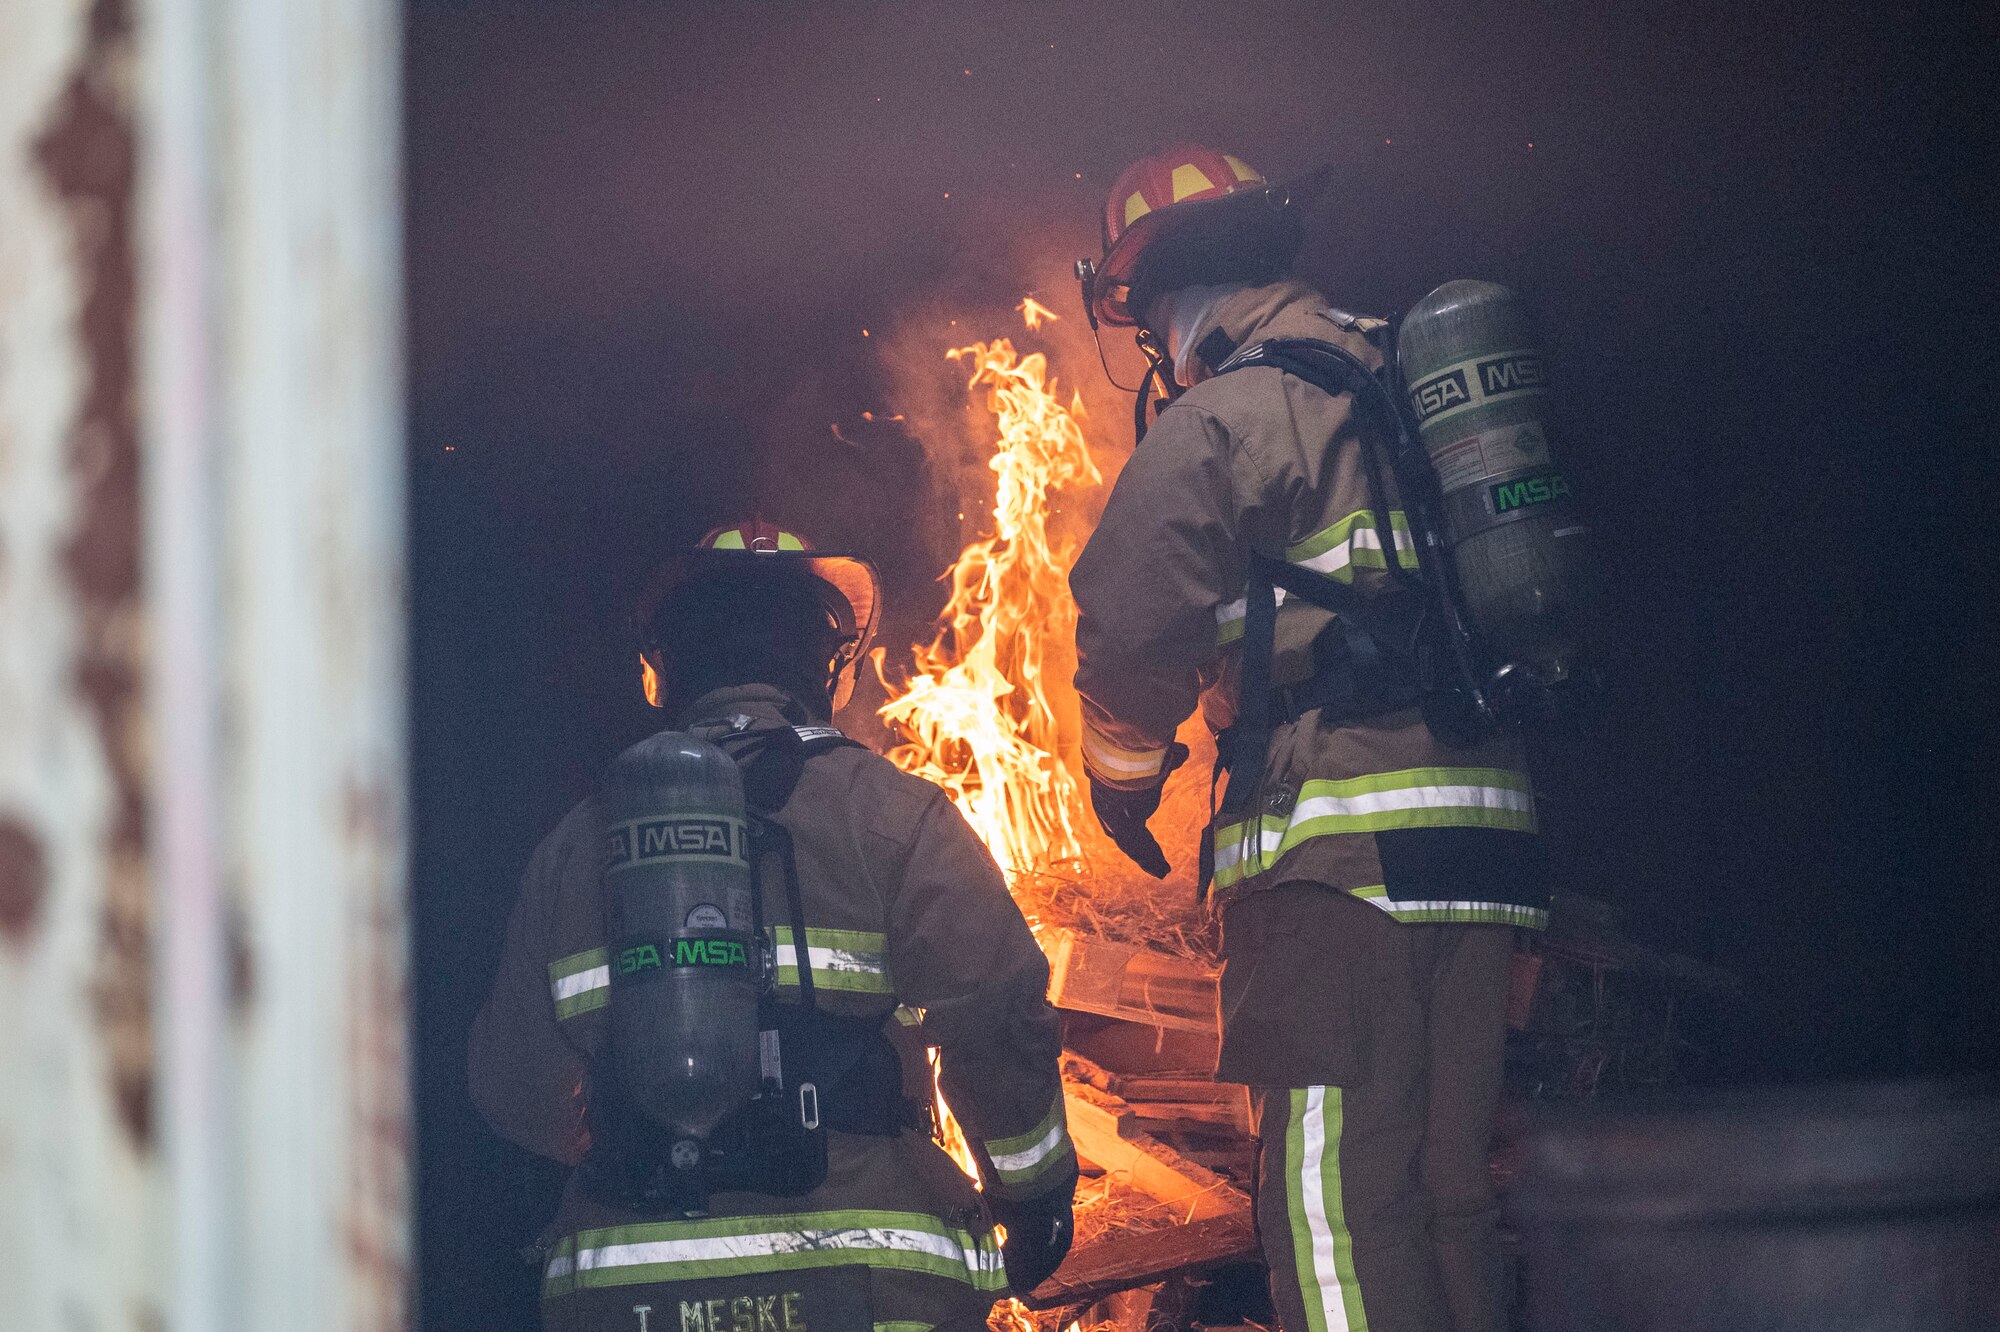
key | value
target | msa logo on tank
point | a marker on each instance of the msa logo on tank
(696, 952)
(1526, 492)
(679, 838)
(1470, 383)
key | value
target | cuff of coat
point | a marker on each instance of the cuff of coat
(1120, 766)
(1027, 1163)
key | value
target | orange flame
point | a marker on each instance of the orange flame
(1033, 312)
(978, 716)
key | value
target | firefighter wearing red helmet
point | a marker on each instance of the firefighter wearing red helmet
(904, 938)
(1369, 875)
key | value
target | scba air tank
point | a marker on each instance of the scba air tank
(1477, 383)
(684, 960)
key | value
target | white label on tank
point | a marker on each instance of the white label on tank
(770, 1067)
(707, 916)
(1491, 453)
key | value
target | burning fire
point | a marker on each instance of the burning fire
(978, 716)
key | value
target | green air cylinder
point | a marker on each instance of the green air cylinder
(1476, 377)
(684, 975)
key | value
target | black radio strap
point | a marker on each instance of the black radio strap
(1379, 634)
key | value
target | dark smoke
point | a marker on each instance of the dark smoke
(644, 240)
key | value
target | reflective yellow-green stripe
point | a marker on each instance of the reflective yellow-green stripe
(1335, 551)
(1111, 761)
(580, 982)
(1322, 1245)
(1026, 1157)
(1452, 912)
(1355, 542)
(677, 1251)
(856, 961)
(1376, 802)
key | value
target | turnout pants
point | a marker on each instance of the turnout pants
(1373, 1052)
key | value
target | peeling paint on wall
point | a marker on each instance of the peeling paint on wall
(76, 1160)
(281, 609)
(24, 880)
(249, 846)
(87, 155)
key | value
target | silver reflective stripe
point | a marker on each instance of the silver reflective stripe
(1462, 911)
(1439, 797)
(855, 960)
(1229, 618)
(1110, 759)
(1022, 1161)
(1376, 811)
(704, 1250)
(1027, 1156)
(570, 986)
(580, 982)
(1337, 561)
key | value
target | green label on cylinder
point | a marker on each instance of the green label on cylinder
(642, 959)
(1525, 492)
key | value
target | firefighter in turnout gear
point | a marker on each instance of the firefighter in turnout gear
(889, 931)
(1368, 875)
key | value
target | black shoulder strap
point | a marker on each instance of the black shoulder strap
(1334, 370)
(1378, 630)
(772, 759)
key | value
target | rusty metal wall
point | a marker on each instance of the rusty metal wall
(274, 340)
(78, 1149)
(203, 1096)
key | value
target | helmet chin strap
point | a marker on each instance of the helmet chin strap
(1159, 369)
(1159, 365)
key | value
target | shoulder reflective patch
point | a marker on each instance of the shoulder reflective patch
(580, 982)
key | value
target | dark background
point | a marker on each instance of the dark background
(644, 238)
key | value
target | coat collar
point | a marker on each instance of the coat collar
(760, 707)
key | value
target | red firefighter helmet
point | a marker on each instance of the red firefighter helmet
(851, 589)
(1186, 213)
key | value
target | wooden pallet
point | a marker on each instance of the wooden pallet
(1120, 1262)
(1092, 975)
(1103, 1129)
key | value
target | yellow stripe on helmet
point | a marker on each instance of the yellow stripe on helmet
(1189, 179)
(1244, 171)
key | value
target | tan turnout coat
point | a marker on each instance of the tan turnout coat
(907, 920)
(1257, 460)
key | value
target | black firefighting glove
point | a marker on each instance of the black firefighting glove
(1124, 813)
(1038, 1234)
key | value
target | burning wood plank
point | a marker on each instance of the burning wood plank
(1120, 1262)
(1097, 1125)
(1093, 975)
